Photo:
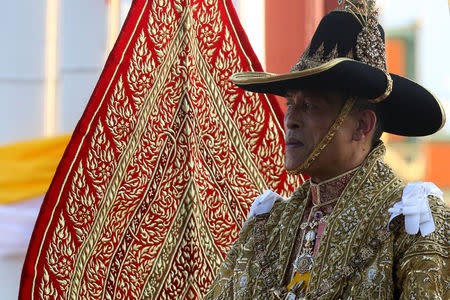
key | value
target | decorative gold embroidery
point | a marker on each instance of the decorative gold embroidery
(330, 189)
(128, 206)
(361, 211)
(360, 259)
(311, 60)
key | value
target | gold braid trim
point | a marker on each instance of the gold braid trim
(327, 138)
(388, 90)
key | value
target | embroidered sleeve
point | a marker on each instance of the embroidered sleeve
(422, 271)
(222, 286)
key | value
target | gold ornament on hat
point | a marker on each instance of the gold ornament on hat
(370, 48)
(311, 60)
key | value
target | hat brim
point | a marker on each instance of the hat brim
(409, 110)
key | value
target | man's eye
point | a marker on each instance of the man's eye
(306, 106)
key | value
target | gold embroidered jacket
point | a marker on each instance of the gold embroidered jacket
(405, 266)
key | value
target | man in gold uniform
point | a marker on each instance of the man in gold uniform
(354, 230)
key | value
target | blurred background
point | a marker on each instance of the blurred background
(53, 52)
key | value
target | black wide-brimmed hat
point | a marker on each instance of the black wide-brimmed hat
(347, 53)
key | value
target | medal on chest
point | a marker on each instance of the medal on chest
(304, 262)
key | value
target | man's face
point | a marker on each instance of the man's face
(307, 120)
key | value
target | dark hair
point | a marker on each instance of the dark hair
(362, 104)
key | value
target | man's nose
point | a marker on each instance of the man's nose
(291, 121)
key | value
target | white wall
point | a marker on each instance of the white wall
(81, 55)
(22, 37)
(10, 270)
(82, 43)
(252, 16)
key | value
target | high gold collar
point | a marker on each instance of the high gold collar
(330, 189)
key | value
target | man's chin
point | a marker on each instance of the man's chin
(293, 165)
(293, 160)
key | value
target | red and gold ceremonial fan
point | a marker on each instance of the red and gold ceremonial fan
(163, 165)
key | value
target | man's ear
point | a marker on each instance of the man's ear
(365, 124)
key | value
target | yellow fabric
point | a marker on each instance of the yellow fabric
(299, 277)
(27, 168)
